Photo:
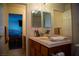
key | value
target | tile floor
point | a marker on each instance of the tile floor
(4, 51)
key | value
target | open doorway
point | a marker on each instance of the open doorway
(15, 31)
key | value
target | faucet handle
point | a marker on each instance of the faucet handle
(49, 36)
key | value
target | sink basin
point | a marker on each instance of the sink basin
(43, 38)
(57, 38)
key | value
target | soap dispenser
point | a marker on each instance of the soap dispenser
(37, 33)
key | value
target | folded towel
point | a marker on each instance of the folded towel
(60, 54)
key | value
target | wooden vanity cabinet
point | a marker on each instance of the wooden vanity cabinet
(36, 49)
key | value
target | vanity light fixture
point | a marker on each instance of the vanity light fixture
(44, 3)
(35, 11)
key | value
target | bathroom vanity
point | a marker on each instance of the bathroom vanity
(42, 46)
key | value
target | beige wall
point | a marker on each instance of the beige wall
(67, 21)
(58, 20)
(42, 7)
(58, 6)
(63, 20)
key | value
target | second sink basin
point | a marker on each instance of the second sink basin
(43, 38)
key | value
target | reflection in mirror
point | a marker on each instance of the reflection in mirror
(36, 19)
(46, 20)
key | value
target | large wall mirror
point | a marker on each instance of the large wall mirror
(36, 18)
(46, 20)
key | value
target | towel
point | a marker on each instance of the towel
(60, 54)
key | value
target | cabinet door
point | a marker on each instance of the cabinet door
(34, 48)
(44, 51)
(31, 48)
(66, 49)
(32, 52)
(37, 49)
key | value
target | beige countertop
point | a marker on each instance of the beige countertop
(48, 43)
